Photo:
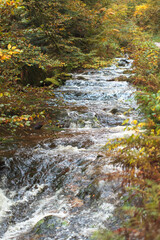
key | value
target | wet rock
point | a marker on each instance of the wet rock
(81, 78)
(100, 155)
(123, 62)
(121, 79)
(58, 177)
(47, 225)
(80, 143)
(114, 111)
(90, 193)
(2, 164)
(63, 77)
(110, 120)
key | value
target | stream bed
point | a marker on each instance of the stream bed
(58, 188)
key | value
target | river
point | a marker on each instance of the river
(58, 188)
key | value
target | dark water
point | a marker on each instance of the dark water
(63, 180)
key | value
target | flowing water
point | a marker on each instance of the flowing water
(58, 188)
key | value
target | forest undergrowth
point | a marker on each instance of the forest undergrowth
(139, 154)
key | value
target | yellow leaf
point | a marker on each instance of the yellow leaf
(125, 121)
(116, 30)
(9, 46)
(111, 13)
(4, 57)
(7, 94)
(11, 52)
(13, 48)
(134, 122)
(142, 124)
(1, 95)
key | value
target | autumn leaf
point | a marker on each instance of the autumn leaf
(9, 46)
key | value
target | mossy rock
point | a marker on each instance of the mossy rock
(63, 76)
(52, 81)
(47, 225)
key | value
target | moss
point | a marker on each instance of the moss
(47, 225)
(50, 81)
(64, 75)
(58, 79)
(39, 223)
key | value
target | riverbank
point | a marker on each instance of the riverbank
(139, 154)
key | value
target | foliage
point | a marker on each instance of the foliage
(62, 29)
(139, 156)
(67, 28)
(63, 35)
(147, 15)
(146, 60)
(107, 235)
(20, 108)
(139, 153)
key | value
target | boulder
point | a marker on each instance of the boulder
(123, 62)
(52, 81)
(114, 111)
(121, 78)
(2, 164)
(32, 75)
(47, 225)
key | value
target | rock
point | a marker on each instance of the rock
(100, 155)
(2, 164)
(38, 125)
(50, 81)
(81, 78)
(63, 77)
(32, 75)
(114, 111)
(121, 79)
(123, 62)
(58, 79)
(47, 225)
(90, 193)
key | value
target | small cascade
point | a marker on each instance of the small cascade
(58, 189)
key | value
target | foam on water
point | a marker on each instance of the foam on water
(5, 205)
(23, 227)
